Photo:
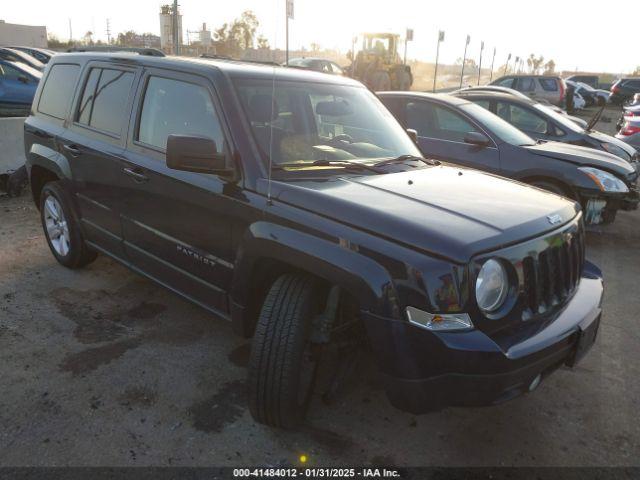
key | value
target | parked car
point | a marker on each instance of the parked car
(454, 129)
(579, 102)
(601, 96)
(20, 57)
(624, 89)
(539, 87)
(630, 110)
(630, 131)
(293, 204)
(43, 55)
(592, 80)
(511, 91)
(541, 123)
(588, 97)
(18, 83)
(317, 64)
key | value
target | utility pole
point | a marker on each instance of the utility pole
(435, 73)
(108, 32)
(480, 64)
(176, 32)
(70, 32)
(289, 15)
(464, 59)
(506, 65)
(492, 62)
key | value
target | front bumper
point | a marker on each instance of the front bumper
(424, 370)
(601, 207)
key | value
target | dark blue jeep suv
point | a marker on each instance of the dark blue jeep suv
(294, 205)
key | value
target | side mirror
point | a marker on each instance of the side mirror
(413, 135)
(195, 154)
(23, 79)
(477, 138)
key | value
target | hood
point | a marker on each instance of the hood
(449, 212)
(583, 156)
(604, 138)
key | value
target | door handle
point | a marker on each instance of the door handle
(136, 174)
(72, 149)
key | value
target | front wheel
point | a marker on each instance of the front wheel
(61, 229)
(283, 363)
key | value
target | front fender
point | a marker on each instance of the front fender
(359, 275)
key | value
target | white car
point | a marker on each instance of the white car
(578, 101)
(601, 95)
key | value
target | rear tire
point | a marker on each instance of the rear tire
(61, 228)
(279, 385)
(380, 81)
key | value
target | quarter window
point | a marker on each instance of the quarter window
(58, 90)
(177, 107)
(104, 100)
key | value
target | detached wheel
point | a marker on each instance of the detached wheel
(283, 364)
(61, 229)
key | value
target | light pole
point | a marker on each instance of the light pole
(407, 38)
(464, 59)
(289, 15)
(480, 64)
(506, 65)
(435, 73)
(492, 62)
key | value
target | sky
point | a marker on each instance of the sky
(574, 36)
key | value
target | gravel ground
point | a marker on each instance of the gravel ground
(102, 367)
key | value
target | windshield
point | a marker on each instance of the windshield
(563, 120)
(300, 123)
(500, 128)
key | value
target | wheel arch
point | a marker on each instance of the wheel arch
(564, 186)
(45, 165)
(268, 250)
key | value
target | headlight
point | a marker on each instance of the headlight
(492, 286)
(616, 150)
(605, 180)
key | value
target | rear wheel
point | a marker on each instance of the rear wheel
(61, 229)
(283, 363)
(380, 81)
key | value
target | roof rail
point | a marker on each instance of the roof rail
(212, 56)
(151, 52)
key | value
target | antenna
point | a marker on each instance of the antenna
(273, 101)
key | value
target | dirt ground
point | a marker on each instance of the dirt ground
(103, 367)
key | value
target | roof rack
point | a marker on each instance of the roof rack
(151, 52)
(212, 56)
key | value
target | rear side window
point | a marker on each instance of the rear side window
(526, 85)
(104, 100)
(549, 84)
(177, 107)
(58, 90)
(7, 72)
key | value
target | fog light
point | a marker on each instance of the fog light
(441, 322)
(534, 384)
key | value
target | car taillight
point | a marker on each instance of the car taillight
(615, 89)
(628, 129)
(628, 113)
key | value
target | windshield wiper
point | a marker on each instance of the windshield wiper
(406, 158)
(329, 163)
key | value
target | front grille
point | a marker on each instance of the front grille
(550, 275)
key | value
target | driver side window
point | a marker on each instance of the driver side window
(438, 122)
(522, 118)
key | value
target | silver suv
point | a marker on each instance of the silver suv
(539, 87)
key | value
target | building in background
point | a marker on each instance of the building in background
(23, 35)
(167, 27)
(204, 36)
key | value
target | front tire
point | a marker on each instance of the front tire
(282, 366)
(61, 228)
